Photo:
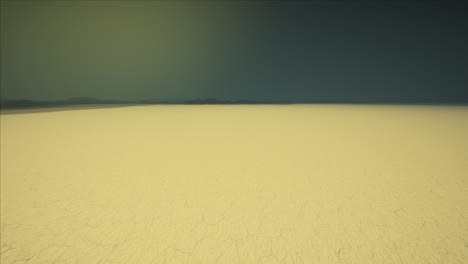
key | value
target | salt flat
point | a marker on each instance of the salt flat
(236, 184)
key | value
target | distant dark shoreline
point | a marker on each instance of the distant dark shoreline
(88, 102)
(26, 103)
(40, 109)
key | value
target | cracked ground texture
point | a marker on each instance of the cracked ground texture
(236, 184)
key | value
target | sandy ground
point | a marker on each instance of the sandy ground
(236, 184)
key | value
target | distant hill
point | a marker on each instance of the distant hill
(216, 101)
(88, 100)
(22, 103)
(6, 103)
(26, 103)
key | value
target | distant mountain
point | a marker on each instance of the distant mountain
(216, 101)
(88, 100)
(26, 103)
(22, 103)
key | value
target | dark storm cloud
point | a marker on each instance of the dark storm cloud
(300, 51)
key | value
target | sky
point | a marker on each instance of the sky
(305, 51)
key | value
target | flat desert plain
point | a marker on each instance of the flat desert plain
(236, 184)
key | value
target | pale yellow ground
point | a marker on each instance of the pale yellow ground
(236, 184)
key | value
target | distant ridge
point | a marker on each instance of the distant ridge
(6, 103)
(27, 103)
